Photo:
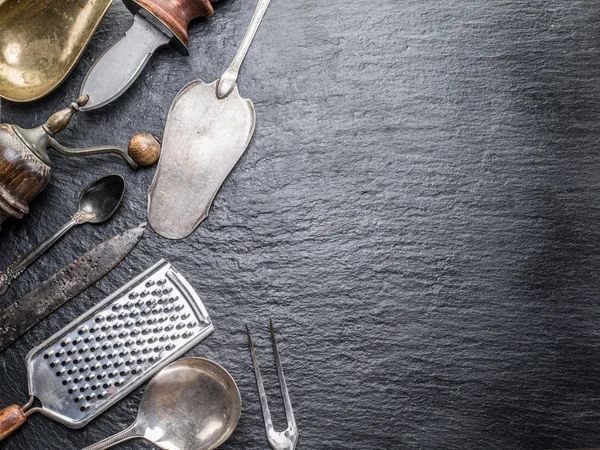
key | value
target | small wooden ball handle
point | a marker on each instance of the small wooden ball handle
(177, 14)
(11, 418)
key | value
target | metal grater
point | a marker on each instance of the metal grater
(106, 353)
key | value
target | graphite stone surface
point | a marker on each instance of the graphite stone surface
(418, 211)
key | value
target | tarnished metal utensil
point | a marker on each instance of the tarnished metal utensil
(208, 128)
(65, 284)
(106, 353)
(192, 404)
(156, 23)
(41, 41)
(279, 440)
(97, 203)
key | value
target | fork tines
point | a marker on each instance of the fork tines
(282, 440)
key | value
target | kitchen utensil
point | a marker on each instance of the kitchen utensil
(25, 165)
(156, 23)
(41, 41)
(107, 352)
(65, 284)
(208, 128)
(97, 203)
(283, 440)
(192, 404)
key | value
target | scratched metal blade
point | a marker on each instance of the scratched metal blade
(65, 284)
(118, 67)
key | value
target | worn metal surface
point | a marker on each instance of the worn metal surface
(208, 128)
(61, 287)
(41, 41)
(104, 354)
(97, 203)
(116, 69)
(418, 211)
(193, 403)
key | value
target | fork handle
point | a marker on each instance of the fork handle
(11, 419)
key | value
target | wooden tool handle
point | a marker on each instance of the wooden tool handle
(11, 418)
(177, 14)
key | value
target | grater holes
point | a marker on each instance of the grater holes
(150, 283)
(133, 295)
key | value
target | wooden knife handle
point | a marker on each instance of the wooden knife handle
(177, 14)
(11, 418)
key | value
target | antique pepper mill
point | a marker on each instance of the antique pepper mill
(25, 165)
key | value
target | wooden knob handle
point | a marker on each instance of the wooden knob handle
(144, 149)
(11, 418)
(177, 14)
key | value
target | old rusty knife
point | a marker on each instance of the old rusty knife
(69, 281)
(156, 23)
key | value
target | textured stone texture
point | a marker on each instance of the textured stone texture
(418, 211)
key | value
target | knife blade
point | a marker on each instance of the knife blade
(61, 287)
(156, 23)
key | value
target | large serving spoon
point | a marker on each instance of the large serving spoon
(192, 404)
(97, 203)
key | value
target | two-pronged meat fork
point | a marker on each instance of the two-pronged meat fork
(282, 440)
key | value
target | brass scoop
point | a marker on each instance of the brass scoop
(41, 41)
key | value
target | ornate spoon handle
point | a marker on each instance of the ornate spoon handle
(128, 433)
(229, 77)
(11, 272)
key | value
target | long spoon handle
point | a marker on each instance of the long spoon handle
(229, 77)
(11, 272)
(125, 435)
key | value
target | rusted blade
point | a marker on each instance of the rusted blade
(65, 284)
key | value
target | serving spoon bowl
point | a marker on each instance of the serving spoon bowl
(192, 404)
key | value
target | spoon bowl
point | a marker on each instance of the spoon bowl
(192, 404)
(97, 203)
(102, 198)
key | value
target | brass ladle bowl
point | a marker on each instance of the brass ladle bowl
(41, 41)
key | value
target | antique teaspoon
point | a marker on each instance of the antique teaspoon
(97, 203)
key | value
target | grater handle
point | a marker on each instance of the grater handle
(11, 419)
(124, 435)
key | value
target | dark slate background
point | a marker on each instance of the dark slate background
(418, 211)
